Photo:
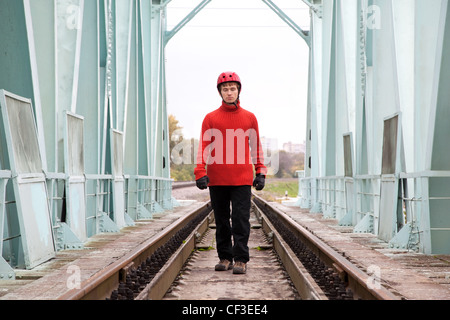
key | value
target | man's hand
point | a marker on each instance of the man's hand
(259, 182)
(202, 183)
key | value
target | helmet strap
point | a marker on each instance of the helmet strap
(234, 103)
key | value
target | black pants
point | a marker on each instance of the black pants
(239, 229)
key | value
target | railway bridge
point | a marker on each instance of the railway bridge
(84, 131)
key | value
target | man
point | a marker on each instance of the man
(229, 147)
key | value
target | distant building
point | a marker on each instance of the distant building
(294, 147)
(269, 144)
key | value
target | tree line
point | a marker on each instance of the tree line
(183, 169)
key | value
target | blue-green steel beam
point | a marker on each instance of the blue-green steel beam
(302, 33)
(165, 3)
(356, 88)
(102, 60)
(317, 9)
(189, 17)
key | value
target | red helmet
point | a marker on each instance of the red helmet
(229, 77)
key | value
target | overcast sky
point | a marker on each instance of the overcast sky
(249, 38)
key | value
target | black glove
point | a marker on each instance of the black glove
(259, 182)
(202, 183)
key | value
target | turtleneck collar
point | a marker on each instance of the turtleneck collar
(230, 108)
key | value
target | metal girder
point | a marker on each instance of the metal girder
(188, 18)
(303, 34)
(165, 3)
(395, 65)
(101, 61)
(317, 9)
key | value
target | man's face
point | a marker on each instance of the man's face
(229, 92)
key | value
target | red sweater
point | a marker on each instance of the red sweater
(229, 147)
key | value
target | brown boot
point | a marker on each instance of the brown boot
(224, 265)
(240, 268)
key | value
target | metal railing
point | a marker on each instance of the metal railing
(368, 195)
(421, 221)
(9, 237)
(143, 196)
(325, 195)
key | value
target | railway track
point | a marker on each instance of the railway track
(318, 271)
(148, 270)
(182, 184)
(313, 269)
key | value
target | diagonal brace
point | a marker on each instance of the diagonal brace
(165, 3)
(304, 34)
(316, 9)
(188, 18)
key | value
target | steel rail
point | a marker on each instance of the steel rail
(359, 282)
(101, 285)
(158, 287)
(104, 282)
(182, 184)
(300, 277)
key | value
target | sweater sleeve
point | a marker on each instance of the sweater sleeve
(257, 152)
(200, 169)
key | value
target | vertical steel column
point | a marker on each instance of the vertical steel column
(438, 155)
(372, 59)
(102, 60)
